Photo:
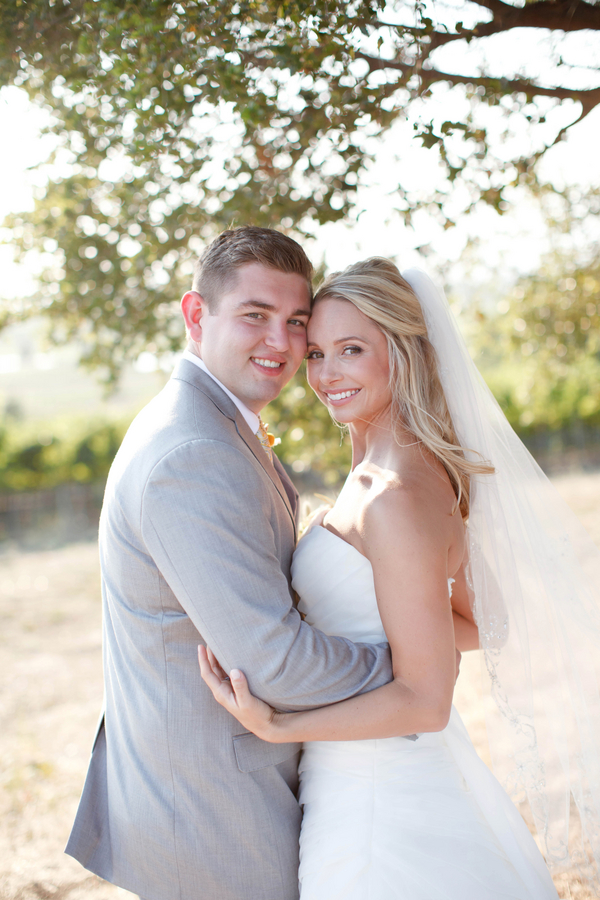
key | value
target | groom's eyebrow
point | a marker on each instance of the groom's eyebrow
(260, 304)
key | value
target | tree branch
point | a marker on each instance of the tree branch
(588, 98)
(70, 15)
(498, 7)
(561, 15)
(438, 38)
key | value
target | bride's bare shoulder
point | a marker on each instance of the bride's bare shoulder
(411, 496)
(391, 496)
(393, 481)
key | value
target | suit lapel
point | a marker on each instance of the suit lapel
(194, 375)
(187, 371)
(288, 485)
(257, 451)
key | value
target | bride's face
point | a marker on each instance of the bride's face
(348, 366)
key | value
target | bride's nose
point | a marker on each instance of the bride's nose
(329, 373)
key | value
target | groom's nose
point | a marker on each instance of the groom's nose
(277, 336)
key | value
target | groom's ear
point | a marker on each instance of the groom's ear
(193, 307)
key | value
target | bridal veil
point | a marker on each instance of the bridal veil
(536, 576)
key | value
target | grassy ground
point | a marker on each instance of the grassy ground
(50, 644)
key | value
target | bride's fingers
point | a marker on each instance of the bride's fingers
(235, 695)
(215, 664)
(206, 670)
(251, 712)
(221, 689)
(241, 690)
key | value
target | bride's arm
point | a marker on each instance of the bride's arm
(466, 633)
(408, 546)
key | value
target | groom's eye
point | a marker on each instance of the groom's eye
(299, 322)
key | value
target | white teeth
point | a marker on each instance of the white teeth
(267, 363)
(343, 395)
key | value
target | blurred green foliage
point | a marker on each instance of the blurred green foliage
(42, 456)
(539, 349)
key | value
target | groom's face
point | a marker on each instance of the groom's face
(255, 338)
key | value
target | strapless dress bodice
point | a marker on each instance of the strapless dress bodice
(334, 582)
(335, 585)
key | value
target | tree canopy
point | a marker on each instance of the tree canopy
(179, 118)
(552, 320)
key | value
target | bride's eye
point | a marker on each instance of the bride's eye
(351, 351)
(314, 354)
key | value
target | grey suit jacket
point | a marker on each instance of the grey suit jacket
(196, 537)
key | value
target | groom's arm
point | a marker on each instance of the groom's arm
(207, 521)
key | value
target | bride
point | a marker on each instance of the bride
(415, 551)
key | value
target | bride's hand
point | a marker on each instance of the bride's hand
(234, 695)
(315, 518)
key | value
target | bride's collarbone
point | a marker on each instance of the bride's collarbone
(369, 482)
(346, 518)
(369, 488)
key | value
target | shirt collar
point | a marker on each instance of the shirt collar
(252, 420)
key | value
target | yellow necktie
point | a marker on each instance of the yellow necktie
(267, 440)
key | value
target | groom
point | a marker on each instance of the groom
(196, 537)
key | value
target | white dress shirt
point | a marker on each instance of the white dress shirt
(252, 420)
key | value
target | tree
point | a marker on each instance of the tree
(552, 321)
(538, 344)
(181, 117)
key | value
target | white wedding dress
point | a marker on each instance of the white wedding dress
(399, 819)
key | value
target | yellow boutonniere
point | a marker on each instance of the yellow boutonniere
(273, 441)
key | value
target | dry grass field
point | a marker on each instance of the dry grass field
(50, 697)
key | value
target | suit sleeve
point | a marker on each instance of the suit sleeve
(206, 520)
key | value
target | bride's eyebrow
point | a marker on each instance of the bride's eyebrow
(342, 340)
(353, 337)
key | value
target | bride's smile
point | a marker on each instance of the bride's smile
(348, 366)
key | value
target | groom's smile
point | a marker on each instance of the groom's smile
(254, 338)
(268, 363)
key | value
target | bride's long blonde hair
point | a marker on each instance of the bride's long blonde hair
(377, 289)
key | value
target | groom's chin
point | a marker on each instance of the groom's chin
(267, 392)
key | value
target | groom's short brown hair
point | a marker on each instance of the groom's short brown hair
(216, 269)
